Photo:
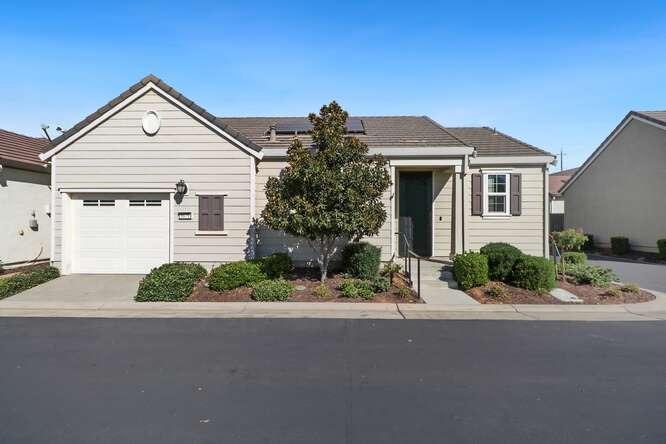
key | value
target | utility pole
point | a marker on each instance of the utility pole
(562, 154)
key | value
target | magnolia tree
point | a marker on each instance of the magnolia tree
(330, 193)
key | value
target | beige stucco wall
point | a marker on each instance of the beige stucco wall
(623, 192)
(525, 231)
(269, 241)
(117, 153)
(23, 192)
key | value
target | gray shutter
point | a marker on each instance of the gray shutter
(204, 213)
(477, 195)
(516, 195)
(217, 213)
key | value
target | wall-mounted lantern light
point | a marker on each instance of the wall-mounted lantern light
(181, 187)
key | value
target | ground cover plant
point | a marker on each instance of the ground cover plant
(17, 283)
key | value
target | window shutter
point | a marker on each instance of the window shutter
(217, 213)
(516, 195)
(204, 213)
(477, 195)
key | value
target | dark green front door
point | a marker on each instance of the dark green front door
(415, 202)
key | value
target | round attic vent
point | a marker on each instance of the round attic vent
(150, 123)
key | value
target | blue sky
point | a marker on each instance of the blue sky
(555, 74)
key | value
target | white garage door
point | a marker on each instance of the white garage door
(119, 233)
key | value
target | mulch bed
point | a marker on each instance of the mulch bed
(602, 296)
(309, 279)
(588, 293)
(6, 272)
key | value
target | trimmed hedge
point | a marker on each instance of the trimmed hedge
(661, 246)
(23, 281)
(470, 270)
(236, 274)
(533, 273)
(361, 260)
(590, 274)
(619, 245)
(276, 290)
(501, 257)
(574, 258)
(169, 282)
(277, 265)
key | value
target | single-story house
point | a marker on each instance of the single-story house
(25, 195)
(556, 181)
(151, 177)
(620, 190)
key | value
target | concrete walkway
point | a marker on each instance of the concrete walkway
(103, 296)
(438, 286)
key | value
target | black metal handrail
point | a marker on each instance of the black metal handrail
(407, 255)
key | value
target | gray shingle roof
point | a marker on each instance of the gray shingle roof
(22, 151)
(490, 142)
(655, 116)
(384, 131)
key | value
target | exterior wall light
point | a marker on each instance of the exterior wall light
(181, 187)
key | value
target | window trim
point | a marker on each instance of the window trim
(506, 194)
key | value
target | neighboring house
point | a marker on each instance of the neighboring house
(25, 194)
(620, 190)
(152, 177)
(556, 182)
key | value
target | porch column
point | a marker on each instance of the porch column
(458, 212)
(392, 212)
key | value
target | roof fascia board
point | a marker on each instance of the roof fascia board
(511, 160)
(148, 87)
(391, 152)
(618, 129)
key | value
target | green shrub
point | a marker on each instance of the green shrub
(590, 274)
(169, 282)
(470, 270)
(501, 257)
(571, 239)
(277, 265)
(661, 246)
(404, 292)
(574, 257)
(589, 244)
(534, 273)
(390, 268)
(28, 279)
(619, 245)
(236, 274)
(381, 284)
(276, 290)
(361, 260)
(630, 288)
(357, 288)
(322, 291)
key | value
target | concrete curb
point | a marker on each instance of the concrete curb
(647, 311)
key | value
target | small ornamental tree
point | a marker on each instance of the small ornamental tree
(329, 193)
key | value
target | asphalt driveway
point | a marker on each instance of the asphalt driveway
(651, 276)
(70, 381)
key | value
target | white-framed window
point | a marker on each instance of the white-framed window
(496, 186)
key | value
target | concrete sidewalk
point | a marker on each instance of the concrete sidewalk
(648, 311)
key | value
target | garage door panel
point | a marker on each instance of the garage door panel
(122, 233)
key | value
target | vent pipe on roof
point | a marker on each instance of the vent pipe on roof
(273, 134)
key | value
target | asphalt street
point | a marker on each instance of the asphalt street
(330, 381)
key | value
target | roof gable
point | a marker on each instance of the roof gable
(654, 118)
(148, 83)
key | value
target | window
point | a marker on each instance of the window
(99, 203)
(497, 194)
(145, 203)
(211, 213)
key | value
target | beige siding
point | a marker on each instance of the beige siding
(525, 231)
(117, 153)
(622, 193)
(269, 241)
(443, 212)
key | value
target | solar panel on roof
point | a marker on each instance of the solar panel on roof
(354, 126)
